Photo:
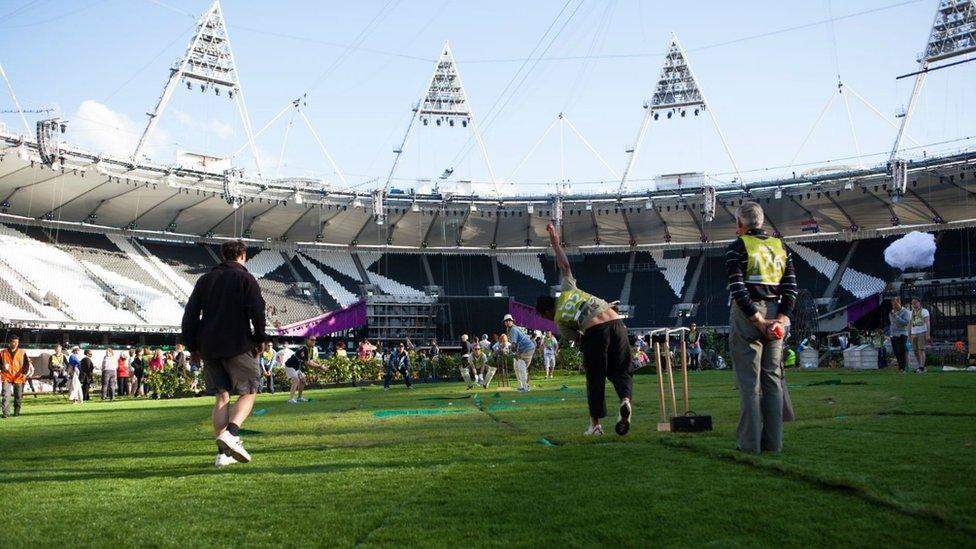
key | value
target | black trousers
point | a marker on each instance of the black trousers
(606, 354)
(86, 390)
(898, 344)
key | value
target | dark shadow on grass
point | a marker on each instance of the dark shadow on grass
(848, 487)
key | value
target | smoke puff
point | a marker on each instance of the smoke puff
(915, 249)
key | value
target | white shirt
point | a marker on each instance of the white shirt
(918, 321)
(281, 357)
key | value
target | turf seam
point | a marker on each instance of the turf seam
(862, 492)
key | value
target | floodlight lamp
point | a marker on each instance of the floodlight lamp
(778, 193)
(530, 209)
(473, 207)
(589, 206)
(414, 207)
(298, 198)
(849, 186)
(649, 204)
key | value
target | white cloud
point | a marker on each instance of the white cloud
(214, 128)
(98, 128)
(221, 129)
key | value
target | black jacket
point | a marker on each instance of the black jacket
(86, 370)
(224, 305)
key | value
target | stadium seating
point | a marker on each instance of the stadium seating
(404, 268)
(526, 276)
(712, 294)
(188, 261)
(153, 266)
(12, 304)
(50, 269)
(264, 262)
(333, 287)
(284, 303)
(462, 275)
(526, 264)
(99, 250)
(652, 293)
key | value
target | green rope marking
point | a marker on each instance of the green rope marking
(248, 432)
(446, 397)
(545, 441)
(430, 412)
(260, 412)
(835, 382)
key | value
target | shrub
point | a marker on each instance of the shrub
(570, 359)
(169, 382)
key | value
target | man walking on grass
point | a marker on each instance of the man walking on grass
(602, 337)
(224, 326)
(14, 368)
(762, 286)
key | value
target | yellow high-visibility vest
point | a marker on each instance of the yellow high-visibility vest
(766, 260)
(568, 305)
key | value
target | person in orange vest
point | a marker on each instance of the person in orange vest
(14, 366)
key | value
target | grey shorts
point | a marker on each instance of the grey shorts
(239, 375)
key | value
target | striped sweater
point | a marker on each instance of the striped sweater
(745, 294)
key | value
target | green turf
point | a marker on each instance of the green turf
(878, 459)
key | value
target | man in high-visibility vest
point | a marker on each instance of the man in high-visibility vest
(14, 366)
(762, 285)
(602, 337)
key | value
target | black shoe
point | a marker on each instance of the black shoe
(623, 423)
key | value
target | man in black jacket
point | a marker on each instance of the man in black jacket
(224, 325)
(86, 374)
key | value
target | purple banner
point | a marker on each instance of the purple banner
(526, 316)
(340, 320)
(860, 309)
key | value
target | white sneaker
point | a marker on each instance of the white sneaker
(223, 461)
(623, 421)
(292, 401)
(228, 443)
(594, 431)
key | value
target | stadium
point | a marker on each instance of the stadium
(103, 250)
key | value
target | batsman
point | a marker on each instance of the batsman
(600, 334)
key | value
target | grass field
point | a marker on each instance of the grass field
(877, 459)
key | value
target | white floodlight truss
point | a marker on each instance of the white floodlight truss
(444, 103)
(953, 34)
(676, 89)
(13, 97)
(210, 62)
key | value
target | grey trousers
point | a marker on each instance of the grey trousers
(17, 391)
(109, 384)
(756, 363)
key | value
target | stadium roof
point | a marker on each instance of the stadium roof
(113, 194)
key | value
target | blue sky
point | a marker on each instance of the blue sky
(104, 63)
